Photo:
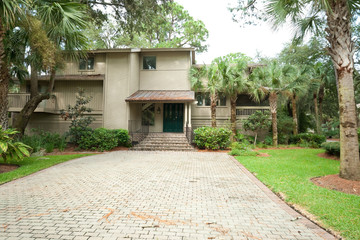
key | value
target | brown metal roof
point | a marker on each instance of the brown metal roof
(162, 96)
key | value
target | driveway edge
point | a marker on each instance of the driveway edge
(291, 210)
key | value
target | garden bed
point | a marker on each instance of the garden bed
(334, 182)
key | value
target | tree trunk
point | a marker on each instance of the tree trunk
(233, 115)
(294, 114)
(273, 109)
(321, 98)
(213, 109)
(22, 119)
(4, 80)
(342, 51)
(315, 99)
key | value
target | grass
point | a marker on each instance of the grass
(290, 171)
(33, 164)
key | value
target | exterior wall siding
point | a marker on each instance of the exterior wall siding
(116, 88)
(72, 67)
(54, 123)
(171, 72)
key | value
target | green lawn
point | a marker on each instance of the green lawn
(33, 164)
(289, 172)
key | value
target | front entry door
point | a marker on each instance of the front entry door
(173, 117)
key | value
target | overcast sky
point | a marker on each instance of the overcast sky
(226, 36)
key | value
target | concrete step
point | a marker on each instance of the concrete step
(162, 149)
(164, 142)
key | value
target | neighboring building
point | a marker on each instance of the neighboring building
(130, 88)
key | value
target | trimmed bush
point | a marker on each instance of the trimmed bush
(332, 148)
(122, 137)
(212, 138)
(103, 139)
(308, 139)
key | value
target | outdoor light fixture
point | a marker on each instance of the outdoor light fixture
(158, 111)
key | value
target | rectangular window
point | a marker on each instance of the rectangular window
(221, 100)
(199, 98)
(148, 114)
(149, 62)
(203, 99)
(87, 63)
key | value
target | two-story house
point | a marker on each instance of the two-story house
(131, 88)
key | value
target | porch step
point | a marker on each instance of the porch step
(164, 142)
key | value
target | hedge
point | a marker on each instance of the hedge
(332, 148)
(308, 138)
(212, 138)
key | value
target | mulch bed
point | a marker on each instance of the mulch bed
(72, 149)
(329, 156)
(334, 182)
(7, 167)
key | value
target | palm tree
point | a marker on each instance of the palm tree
(297, 79)
(206, 79)
(337, 16)
(273, 83)
(56, 28)
(234, 80)
(319, 79)
(10, 11)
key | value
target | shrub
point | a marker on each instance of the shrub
(212, 138)
(11, 149)
(256, 122)
(103, 139)
(80, 122)
(308, 139)
(47, 140)
(285, 127)
(332, 148)
(244, 138)
(268, 140)
(122, 136)
(241, 149)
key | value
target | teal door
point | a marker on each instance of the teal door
(173, 117)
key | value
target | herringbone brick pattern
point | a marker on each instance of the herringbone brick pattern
(145, 195)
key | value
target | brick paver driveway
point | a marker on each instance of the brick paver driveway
(147, 195)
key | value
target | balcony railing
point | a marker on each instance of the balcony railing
(246, 111)
(18, 100)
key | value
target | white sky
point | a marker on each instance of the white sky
(226, 36)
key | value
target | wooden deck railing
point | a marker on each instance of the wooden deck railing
(18, 100)
(246, 111)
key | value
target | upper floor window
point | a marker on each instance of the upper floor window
(86, 63)
(149, 62)
(203, 99)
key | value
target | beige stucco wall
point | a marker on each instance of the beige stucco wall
(171, 72)
(72, 67)
(116, 89)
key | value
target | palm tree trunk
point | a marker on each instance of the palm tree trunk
(315, 99)
(273, 109)
(294, 114)
(213, 109)
(4, 80)
(342, 51)
(321, 98)
(233, 115)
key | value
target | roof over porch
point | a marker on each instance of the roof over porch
(162, 96)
